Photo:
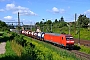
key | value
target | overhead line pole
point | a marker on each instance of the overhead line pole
(18, 23)
(75, 21)
(51, 27)
(79, 33)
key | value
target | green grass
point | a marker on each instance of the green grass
(85, 49)
(17, 48)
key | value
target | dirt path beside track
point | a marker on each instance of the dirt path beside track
(2, 47)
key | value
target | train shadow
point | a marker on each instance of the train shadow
(76, 47)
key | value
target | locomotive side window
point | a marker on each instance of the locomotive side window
(62, 38)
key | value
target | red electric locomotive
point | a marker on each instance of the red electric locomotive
(60, 39)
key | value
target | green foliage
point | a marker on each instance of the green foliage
(17, 48)
(84, 34)
(29, 53)
(1, 33)
(62, 24)
(5, 37)
(62, 19)
(3, 26)
(83, 21)
(13, 34)
(56, 21)
(19, 39)
(48, 24)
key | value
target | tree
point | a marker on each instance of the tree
(49, 22)
(3, 26)
(56, 20)
(37, 23)
(62, 19)
(42, 19)
(41, 22)
(83, 21)
(61, 22)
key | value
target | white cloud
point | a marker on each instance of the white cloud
(10, 6)
(8, 18)
(22, 10)
(87, 13)
(56, 10)
(1, 10)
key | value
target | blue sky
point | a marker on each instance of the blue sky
(32, 11)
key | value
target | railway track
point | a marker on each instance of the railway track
(81, 55)
(83, 42)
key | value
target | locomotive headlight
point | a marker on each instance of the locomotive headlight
(68, 41)
(72, 41)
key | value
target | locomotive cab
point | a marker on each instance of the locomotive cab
(69, 41)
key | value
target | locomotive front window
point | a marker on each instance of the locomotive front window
(69, 38)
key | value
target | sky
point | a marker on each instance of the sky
(32, 11)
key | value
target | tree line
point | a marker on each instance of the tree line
(82, 21)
